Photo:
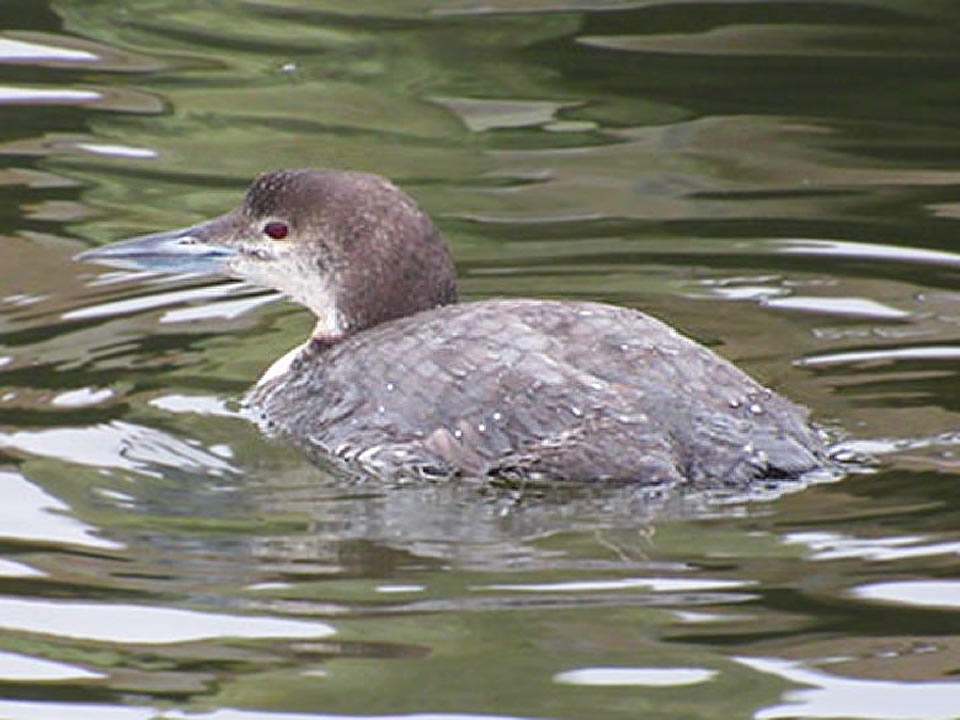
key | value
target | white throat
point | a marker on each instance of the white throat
(295, 278)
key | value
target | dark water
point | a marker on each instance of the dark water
(780, 180)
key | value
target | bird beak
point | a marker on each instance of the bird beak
(176, 251)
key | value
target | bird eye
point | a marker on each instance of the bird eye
(276, 230)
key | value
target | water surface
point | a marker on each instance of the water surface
(779, 180)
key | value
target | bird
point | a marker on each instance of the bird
(401, 379)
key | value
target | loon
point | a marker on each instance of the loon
(401, 379)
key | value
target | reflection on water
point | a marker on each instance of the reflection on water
(779, 180)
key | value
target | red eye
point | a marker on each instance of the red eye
(276, 230)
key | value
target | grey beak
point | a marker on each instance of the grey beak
(176, 251)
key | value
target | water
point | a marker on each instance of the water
(779, 180)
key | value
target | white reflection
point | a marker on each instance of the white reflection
(28, 513)
(120, 498)
(26, 710)
(748, 292)
(21, 50)
(148, 302)
(195, 404)
(117, 150)
(83, 397)
(648, 677)
(105, 622)
(834, 546)
(232, 714)
(571, 126)
(691, 616)
(259, 587)
(33, 95)
(848, 306)
(22, 667)
(925, 593)
(867, 250)
(884, 355)
(222, 450)
(9, 568)
(400, 588)
(831, 696)
(654, 584)
(226, 309)
(116, 277)
(116, 445)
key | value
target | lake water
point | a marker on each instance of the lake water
(780, 180)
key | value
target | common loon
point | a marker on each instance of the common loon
(402, 379)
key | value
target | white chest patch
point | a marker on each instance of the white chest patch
(280, 366)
